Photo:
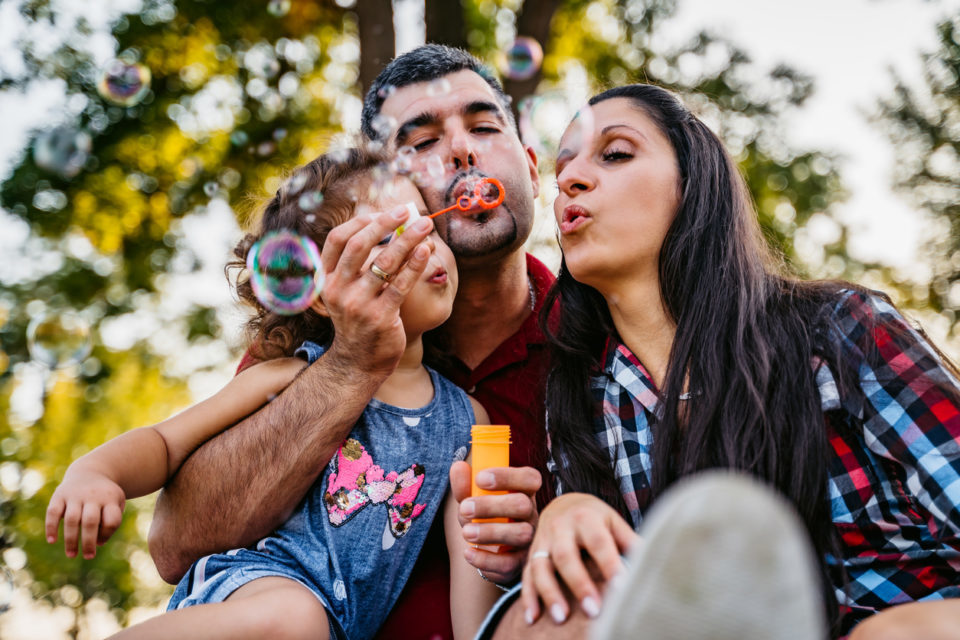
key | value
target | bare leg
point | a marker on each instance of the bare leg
(270, 607)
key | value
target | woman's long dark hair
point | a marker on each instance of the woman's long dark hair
(745, 341)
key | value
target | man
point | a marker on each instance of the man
(241, 485)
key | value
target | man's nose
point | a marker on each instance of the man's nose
(463, 151)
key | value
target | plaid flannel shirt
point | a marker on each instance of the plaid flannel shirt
(894, 472)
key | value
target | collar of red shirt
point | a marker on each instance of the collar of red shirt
(514, 349)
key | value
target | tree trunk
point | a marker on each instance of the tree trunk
(444, 20)
(377, 42)
(533, 21)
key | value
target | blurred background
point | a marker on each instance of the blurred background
(139, 136)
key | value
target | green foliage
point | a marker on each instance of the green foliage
(923, 122)
(237, 97)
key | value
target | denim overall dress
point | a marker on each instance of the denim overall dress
(354, 539)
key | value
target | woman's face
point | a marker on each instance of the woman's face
(619, 191)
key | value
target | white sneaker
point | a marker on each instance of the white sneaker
(721, 557)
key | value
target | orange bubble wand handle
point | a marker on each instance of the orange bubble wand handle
(465, 202)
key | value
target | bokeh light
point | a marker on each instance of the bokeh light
(285, 272)
(278, 8)
(59, 339)
(63, 150)
(123, 83)
(543, 119)
(522, 60)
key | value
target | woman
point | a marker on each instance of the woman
(686, 349)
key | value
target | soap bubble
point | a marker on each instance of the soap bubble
(123, 83)
(278, 8)
(543, 119)
(438, 87)
(310, 200)
(285, 272)
(211, 189)
(62, 150)
(59, 339)
(386, 91)
(522, 60)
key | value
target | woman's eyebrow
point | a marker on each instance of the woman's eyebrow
(636, 131)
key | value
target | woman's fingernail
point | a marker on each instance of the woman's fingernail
(51, 539)
(422, 224)
(468, 508)
(485, 479)
(400, 214)
(469, 554)
(590, 606)
(557, 613)
(470, 532)
(528, 616)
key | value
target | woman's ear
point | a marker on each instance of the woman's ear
(319, 307)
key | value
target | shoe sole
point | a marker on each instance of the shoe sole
(722, 557)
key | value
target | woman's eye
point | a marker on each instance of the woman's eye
(613, 156)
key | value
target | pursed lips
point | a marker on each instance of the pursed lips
(574, 216)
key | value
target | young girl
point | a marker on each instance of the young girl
(337, 566)
(683, 348)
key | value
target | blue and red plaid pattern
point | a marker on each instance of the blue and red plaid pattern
(894, 482)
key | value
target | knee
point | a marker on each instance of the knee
(291, 614)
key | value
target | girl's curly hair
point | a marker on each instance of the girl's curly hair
(339, 177)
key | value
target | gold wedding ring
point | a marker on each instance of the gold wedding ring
(380, 273)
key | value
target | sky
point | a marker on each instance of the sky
(849, 48)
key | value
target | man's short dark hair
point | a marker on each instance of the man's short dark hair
(423, 64)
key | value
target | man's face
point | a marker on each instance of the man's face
(453, 131)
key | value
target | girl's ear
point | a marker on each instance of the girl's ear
(320, 308)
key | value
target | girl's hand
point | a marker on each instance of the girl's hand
(571, 524)
(91, 507)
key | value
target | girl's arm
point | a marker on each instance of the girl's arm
(470, 595)
(91, 498)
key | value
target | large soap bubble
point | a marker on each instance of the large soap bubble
(62, 150)
(124, 83)
(59, 339)
(522, 60)
(285, 272)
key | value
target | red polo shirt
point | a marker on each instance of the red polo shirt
(510, 384)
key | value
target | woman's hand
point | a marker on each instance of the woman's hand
(90, 505)
(571, 524)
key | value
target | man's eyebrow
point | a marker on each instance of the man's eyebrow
(419, 120)
(483, 106)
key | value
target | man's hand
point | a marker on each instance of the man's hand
(364, 308)
(519, 504)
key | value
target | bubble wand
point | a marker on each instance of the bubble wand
(465, 202)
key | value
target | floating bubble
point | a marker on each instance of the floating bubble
(383, 125)
(239, 138)
(435, 166)
(285, 272)
(522, 60)
(58, 339)
(278, 8)
(439, 87)
(543, 119)
(211, 189)
(310, 200)
(386, 91)
(123, 83)
(296, 182)
(62, 150)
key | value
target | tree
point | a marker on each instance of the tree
(923, 123)
(238, 93)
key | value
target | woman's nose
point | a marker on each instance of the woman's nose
(574, 178)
